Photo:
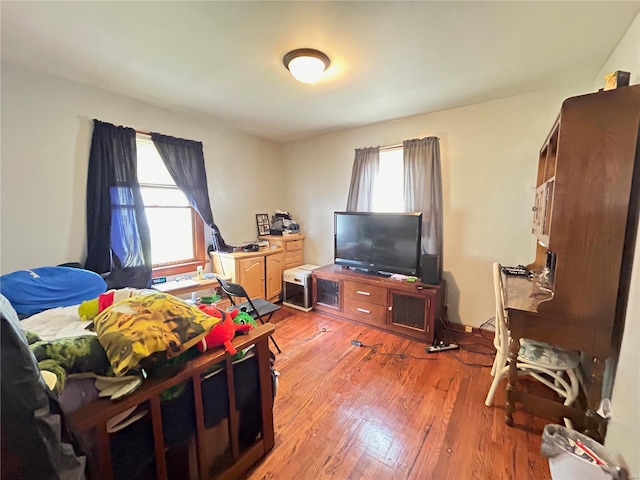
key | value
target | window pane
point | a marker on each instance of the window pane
(163, 197)
(389, 184)
(171, 234)
(151, 168)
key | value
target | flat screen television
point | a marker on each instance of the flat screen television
(380, 243)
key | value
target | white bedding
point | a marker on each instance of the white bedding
(56, 323)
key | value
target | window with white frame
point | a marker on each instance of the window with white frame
(389, 183)
(176, 229)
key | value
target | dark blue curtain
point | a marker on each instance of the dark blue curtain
(118, 239)
(185, 161)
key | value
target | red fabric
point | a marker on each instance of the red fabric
(105, 300)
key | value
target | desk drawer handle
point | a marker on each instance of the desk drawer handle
(363, 310)
(360, 292)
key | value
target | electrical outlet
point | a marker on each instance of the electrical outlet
(468, 329)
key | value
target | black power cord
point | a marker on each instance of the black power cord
(449, 333)
(374, 348)
(323, 330)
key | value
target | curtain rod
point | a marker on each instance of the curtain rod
(142, 132)
(389, 147)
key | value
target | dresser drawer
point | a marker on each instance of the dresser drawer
(365, 312)
(365, 293)
(294, 245)
(293, 259)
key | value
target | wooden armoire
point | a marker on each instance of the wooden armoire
(585, 218)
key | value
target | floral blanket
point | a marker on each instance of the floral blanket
(151, 326)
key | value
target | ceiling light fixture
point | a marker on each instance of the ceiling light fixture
(306, 64)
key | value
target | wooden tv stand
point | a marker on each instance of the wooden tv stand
(408, 309)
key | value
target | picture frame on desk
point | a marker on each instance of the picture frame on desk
(262, 220)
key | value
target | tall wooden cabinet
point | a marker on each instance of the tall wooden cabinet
(260, 273)
(585, 214)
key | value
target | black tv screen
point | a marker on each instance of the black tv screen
(382, 243)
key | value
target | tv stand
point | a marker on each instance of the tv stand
(405, 308)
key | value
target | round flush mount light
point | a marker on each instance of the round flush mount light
(306, 64)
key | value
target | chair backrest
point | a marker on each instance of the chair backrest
(232, 289)
(235, 290)
(502, 337)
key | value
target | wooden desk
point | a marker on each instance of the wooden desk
(522, 293)
(522, 299)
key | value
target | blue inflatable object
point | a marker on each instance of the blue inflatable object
(38, 289)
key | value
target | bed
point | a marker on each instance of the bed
(208, 417)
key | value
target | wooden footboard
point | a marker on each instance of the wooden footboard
(90, 422)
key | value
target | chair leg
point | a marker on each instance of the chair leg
(499, 362)
(499, 375)
(494, 366)
(271, 336)
(275, 344)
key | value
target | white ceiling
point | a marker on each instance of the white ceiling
(388, 59)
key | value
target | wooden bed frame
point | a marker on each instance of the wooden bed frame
(89, 422)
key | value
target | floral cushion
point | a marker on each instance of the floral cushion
(549, 356)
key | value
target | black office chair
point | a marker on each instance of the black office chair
(258, 308)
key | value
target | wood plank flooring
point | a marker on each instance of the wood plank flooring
(388, 410)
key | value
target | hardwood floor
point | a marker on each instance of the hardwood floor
(388, 410)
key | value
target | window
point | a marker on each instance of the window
(389, 183)
(177, 231)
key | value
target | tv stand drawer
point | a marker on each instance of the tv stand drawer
(361, 292)
(365, 312)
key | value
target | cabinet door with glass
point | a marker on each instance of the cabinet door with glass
(410, 313)
(327, 294)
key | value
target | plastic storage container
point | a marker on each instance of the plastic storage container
(574, 456)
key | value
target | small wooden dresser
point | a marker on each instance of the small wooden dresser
(292, 246)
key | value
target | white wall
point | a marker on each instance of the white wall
(489, 163)
(46, 136)
(623, 434)
(625, 57)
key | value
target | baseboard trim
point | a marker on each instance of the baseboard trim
(460, 327)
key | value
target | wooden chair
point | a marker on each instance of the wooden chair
(258, 308)
(554, 367)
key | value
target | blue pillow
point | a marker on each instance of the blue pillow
(38, 289)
